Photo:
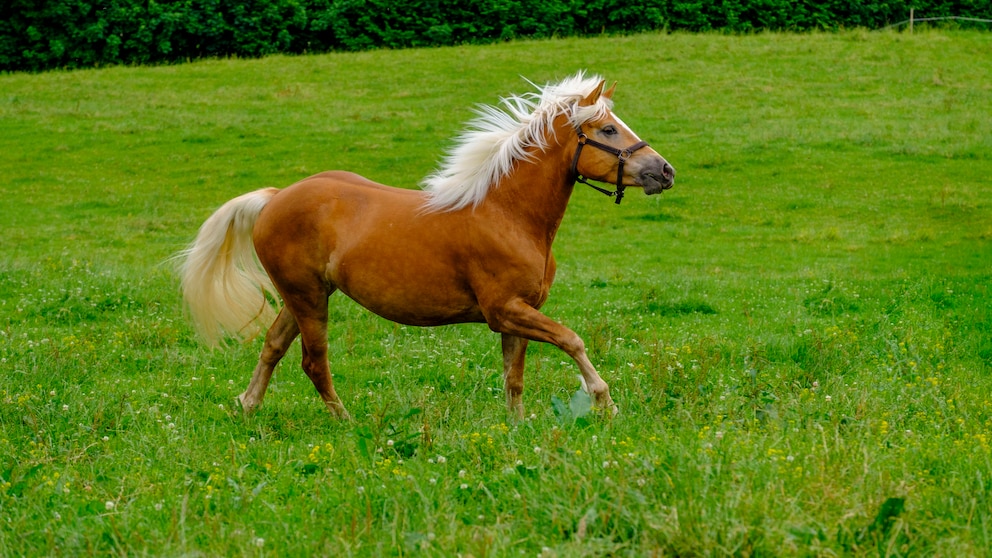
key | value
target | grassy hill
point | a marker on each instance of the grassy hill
(797, 334)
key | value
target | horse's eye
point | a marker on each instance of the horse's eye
(610, 130)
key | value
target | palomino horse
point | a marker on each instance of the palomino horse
(473, 246)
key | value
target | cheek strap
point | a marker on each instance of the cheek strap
(622, 156)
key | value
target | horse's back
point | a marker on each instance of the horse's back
(332, 200)
(338, 179)
(326, 205)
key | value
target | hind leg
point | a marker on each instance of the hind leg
(311, 317)
(277, 341)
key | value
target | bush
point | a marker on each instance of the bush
(44, 34)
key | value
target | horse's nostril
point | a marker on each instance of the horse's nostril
(668, 171)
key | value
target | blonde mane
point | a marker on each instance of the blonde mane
(498, 137)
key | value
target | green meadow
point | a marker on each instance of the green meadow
(798, 335)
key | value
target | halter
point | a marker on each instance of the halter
(622, 156)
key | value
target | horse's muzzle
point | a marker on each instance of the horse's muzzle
(658, 178)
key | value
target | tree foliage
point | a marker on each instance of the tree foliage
(45, 34)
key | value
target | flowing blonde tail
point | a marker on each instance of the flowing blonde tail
(227, 293)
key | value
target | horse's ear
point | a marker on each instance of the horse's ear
(592, 97)
(609, 92)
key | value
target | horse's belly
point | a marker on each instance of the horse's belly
(412, 291)
(423, 306)
(429, 317)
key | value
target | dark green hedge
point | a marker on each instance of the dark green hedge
(44, 34)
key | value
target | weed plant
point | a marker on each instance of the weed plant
(797, 335)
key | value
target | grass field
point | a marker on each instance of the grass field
(797, 335)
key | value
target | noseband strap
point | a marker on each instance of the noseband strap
(622, 156)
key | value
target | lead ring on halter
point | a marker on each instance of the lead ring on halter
(622, 156)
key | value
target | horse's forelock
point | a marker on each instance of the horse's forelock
(596, 111)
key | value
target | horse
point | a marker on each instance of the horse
(472, 245)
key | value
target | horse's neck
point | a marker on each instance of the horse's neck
(536, 193)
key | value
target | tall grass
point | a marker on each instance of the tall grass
(797, 334)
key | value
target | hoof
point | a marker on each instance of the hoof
(248, 408)
(515, 408)
(338, 411)
(608, 407)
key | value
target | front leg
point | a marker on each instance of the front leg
(514, 354)
(519, 319)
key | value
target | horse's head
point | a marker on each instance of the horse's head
(619, 157)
